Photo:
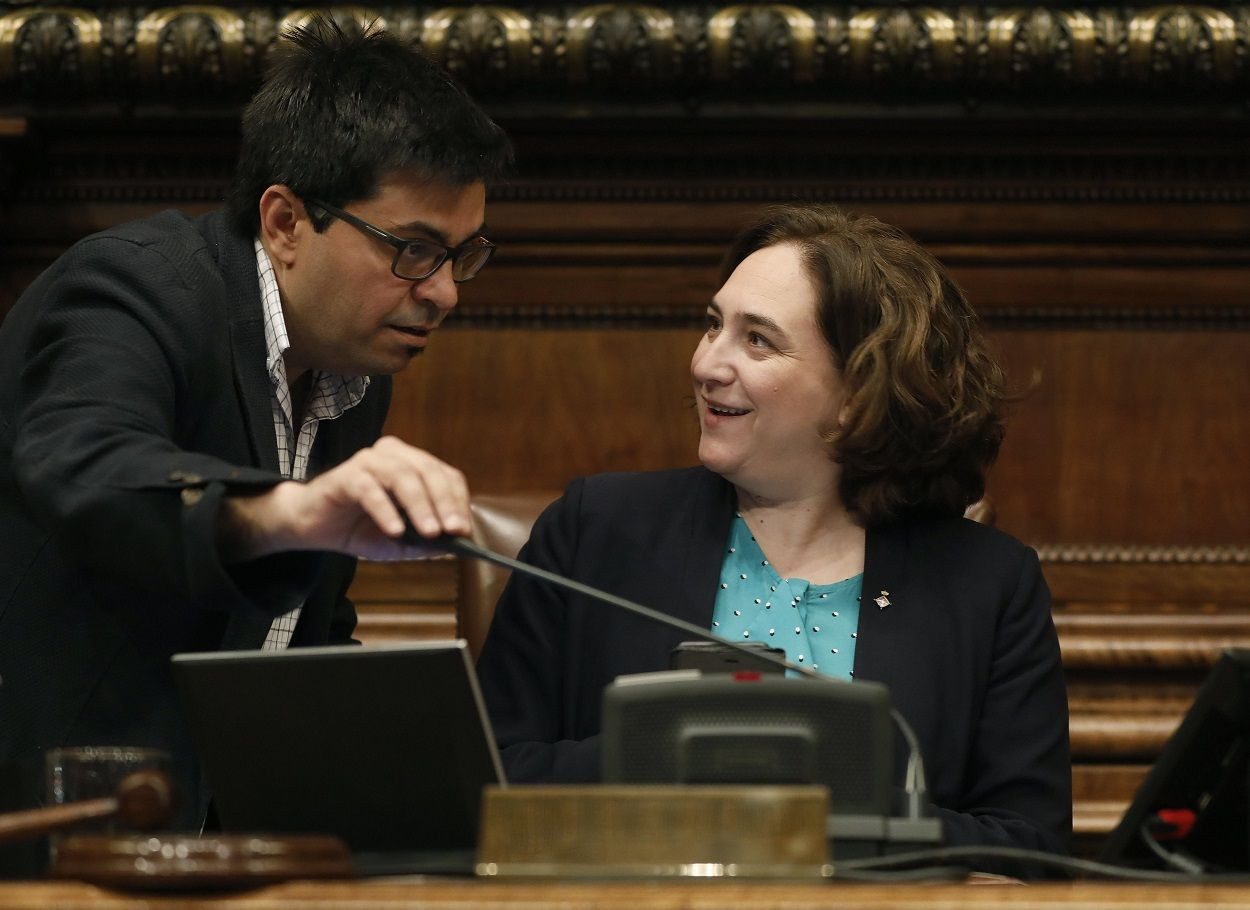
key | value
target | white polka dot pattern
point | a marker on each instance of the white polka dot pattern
(824, 624)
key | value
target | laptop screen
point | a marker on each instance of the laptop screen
(386, 746)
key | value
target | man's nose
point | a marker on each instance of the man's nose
(439, 292)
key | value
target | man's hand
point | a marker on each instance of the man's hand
(354, 508)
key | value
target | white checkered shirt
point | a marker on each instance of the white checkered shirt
(329, 397)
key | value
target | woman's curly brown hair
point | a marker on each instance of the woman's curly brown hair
(924, 408)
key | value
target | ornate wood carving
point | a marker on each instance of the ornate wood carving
(1135, 555)
(631, 50)
(1053, 317)
(204, 179)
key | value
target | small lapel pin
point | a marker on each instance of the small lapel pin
(882, 600)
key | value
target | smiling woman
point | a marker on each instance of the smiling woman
(848, 412)
(921, 422)
(766, 388)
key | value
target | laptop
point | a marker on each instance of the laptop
(385, 746)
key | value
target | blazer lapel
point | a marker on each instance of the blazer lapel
(236, 258)
(245, 631)
(710, 514)
(884, 602)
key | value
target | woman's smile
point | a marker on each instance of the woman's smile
(764, 377)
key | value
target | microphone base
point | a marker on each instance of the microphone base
(862, 836)
(654, 831)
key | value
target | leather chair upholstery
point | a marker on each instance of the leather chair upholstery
(501, 523)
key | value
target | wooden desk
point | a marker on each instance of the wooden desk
(685, 895)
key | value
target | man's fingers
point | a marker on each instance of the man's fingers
(448, 496)
(358, 507)
(372, 497)
(433, 494)
(435, 498)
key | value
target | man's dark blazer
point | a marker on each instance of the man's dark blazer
(967, 645)
(133, 396)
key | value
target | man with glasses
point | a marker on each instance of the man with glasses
(190, 409)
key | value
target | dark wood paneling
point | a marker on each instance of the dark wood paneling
(1127, 436)
(1108, 256)
(531, 409)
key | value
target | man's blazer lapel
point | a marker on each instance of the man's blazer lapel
(236, 258)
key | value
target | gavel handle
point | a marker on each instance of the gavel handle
(144, 800)
(16, 826)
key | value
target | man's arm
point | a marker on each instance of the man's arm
(130, 446)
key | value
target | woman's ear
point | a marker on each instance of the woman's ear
(848, 396)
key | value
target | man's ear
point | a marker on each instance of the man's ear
(281, 214)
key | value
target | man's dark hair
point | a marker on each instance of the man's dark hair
(340, 110)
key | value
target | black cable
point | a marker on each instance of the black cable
(876, 867)
(942, 855)
(1176, 860)
(915, 785)
(465, 547)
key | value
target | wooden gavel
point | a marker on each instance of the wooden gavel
(144, 801)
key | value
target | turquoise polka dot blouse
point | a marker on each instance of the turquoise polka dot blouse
(816, 625)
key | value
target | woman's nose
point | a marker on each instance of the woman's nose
(709, 364)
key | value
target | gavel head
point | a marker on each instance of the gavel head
(145, 800)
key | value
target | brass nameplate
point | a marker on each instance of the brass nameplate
(623, 830)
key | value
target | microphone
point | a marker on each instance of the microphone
(462, 546)
(914, 783)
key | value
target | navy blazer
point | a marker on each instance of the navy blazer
(967, 646)
(133, 398)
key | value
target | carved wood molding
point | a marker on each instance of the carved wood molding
(900, 179)
(1167, 583)
(100, 182)
(1108, 737)
(157, 155)
(1143, 555)
(94, 175)
(1090, 317)
(1177, 318)
(680, 54)
(1179, 646)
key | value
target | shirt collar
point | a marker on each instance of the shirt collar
(332, 394)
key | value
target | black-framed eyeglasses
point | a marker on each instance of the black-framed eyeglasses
(418, 259)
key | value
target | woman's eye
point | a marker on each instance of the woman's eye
(756, 340)
(712, 323)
